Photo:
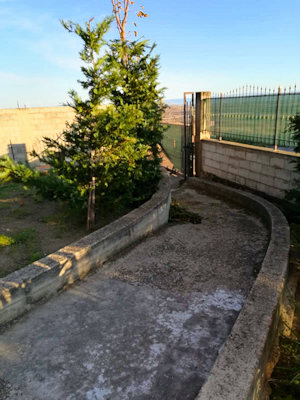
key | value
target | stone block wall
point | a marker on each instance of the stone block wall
(258, 168)
(22, 130)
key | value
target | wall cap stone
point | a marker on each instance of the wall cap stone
(248, 146)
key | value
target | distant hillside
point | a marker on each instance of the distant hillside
(173, 114)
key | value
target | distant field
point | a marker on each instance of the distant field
(173, 114)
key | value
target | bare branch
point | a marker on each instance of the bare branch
(121, 9)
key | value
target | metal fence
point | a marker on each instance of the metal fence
(253, 116)
(249, 115)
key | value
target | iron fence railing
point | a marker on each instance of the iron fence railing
(250, 115)
(255, 117)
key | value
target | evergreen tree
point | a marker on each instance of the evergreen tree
(294, 129)
(110, 150)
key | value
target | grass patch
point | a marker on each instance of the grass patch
(24, 242)
(55, 219)
(63, 220)
(25, 235)
(4, 205)
(179, 214)
(35, 256)
(7, 190)
(20, 212)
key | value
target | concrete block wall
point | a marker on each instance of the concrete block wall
(24, 128)
(258, 168)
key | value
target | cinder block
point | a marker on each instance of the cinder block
(210, 170)
(223, 159)
(280, 194)
(217, 172)
(208, 154)
(262, 187)
(220, 148)
(234, 162)
(251, 184)
(240, 180)
(277, 162)
(264, 158)
(228, 151)
(251, 156)
(207, 162)
(232, 152)
(216, 157)
(267, 170)
(232, 170)
(255, 176)
(212, 163)
(244, 173)
(209, 146)
(240, 154)
(231, 177)
(281, 184)
(224, 166)
(223, 175)
(267, 180)
(244, 164)
(283, 174)
(290, 163)
(255, 167)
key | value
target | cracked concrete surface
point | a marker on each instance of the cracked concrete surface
(149, 324)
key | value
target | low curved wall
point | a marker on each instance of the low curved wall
(45, 277)
(240, 371)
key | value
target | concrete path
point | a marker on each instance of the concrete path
(149, 324)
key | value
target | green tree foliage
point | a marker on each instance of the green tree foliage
(112, 143)
(294, 128)
(16, 172)
(294, 194)
(133, 76)
(48, 185)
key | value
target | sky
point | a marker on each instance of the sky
(215, 45)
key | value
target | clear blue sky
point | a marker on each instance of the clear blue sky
(215, 45)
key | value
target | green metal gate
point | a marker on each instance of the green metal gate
(188, 145)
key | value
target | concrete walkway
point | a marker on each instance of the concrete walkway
(149, 324)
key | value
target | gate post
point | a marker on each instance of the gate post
(202, 116)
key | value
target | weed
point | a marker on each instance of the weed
(179, 214)
(6, 241)
(285, 380)
(286, 376)
(38, 197)
(25, 235)
(35, 256)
